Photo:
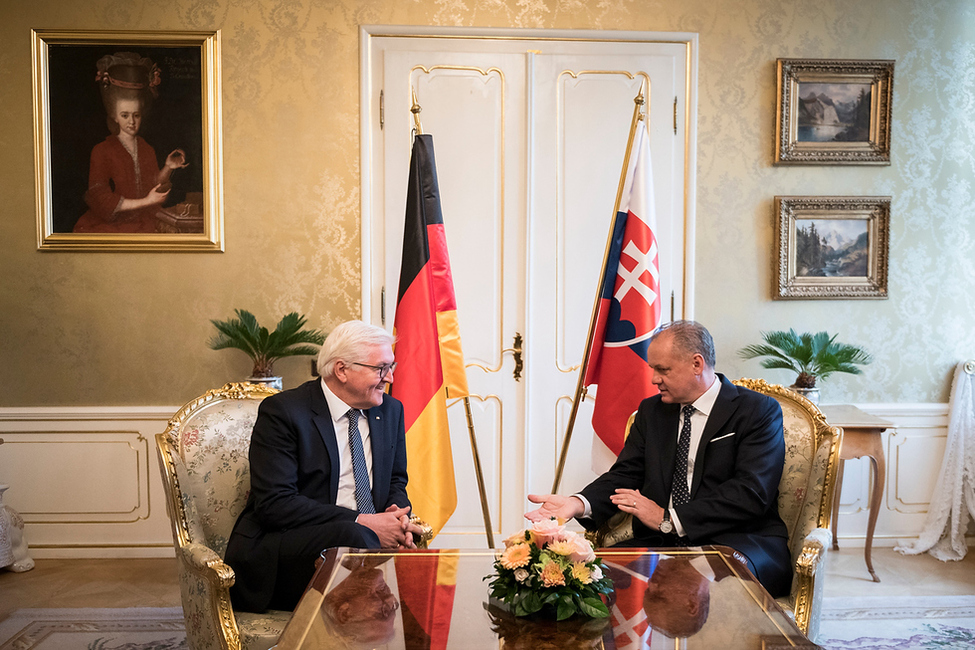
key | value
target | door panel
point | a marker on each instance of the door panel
(529, 144)
(470, 102)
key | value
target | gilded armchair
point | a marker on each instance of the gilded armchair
(812, 450)
(203, 456)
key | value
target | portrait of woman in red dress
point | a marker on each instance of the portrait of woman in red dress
(126, 184)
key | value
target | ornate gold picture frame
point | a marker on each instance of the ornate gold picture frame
(833, 112)
(832, 247)
(127, 141)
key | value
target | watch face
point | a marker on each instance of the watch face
(666, 527)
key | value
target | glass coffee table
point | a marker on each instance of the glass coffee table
(664, 598)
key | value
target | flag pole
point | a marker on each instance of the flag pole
(581, 389)
(485, 512)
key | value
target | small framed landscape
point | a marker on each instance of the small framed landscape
(833, 112)
(831, 247)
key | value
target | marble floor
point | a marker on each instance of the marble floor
(900, 575)
(152, 582)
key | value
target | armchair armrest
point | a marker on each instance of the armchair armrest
(423, 539)
(813, 555)
(204, 561)
(205, 581)
(807, 591)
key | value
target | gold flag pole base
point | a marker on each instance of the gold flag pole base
(580, 387)
(480, 475)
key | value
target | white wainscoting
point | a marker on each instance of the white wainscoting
(86, 480)
(913, 447)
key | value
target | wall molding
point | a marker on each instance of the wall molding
(30, 431)
(85, 413)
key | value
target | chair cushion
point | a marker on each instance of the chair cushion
(260, 631)
(214, 442)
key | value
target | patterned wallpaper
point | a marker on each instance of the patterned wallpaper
(114, 328)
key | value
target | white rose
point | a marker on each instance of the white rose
(596, 572)
(521, 575)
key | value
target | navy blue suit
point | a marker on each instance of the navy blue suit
(291, 513)
(734, 490)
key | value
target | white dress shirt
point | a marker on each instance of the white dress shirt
(340, 422)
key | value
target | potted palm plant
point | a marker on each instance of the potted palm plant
(810, 356)
(265, 347)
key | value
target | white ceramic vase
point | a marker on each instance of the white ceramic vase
(13, 546)
(811, 394)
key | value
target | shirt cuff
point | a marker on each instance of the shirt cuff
(678, 528)
(586, 510)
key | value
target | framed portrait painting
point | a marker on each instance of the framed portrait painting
(833, 112)
(831, 247)
(127, 141)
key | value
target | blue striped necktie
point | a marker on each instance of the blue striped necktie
(363, 492)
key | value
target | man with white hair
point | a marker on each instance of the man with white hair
(328, 468)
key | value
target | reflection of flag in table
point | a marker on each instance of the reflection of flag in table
(630, 629)
(426, 593)
(430, 361)
(629, 310)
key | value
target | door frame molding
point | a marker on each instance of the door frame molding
(368, 115)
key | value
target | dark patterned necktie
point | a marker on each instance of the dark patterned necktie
(363, 493)
(681, 495)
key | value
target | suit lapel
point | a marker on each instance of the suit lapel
(322, 418)
(724, 406)
(665, 447)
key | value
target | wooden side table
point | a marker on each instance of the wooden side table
(861, 437)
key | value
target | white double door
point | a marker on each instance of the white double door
(530, 138)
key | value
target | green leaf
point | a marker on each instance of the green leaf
(593, 607)
(565, 609)
(264, 347)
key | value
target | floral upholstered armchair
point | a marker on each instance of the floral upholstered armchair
(203, 456)
(812, 449)
(812, 454)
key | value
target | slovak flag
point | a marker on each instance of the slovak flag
(629, 311)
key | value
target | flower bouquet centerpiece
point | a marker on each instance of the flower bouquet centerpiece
(550, 570)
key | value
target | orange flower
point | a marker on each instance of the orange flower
(517, 538)
(515, 556)
(552, 575)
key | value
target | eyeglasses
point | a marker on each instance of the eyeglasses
(382, 370)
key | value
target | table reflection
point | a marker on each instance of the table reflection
(693, 598)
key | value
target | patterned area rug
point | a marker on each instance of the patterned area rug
(131, 628)
(907, 623)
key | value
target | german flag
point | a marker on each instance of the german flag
(426, 592)
(430, 361)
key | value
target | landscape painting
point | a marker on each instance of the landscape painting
(831, 247)
(833, 112)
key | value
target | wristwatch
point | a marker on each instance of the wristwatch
(666, 526)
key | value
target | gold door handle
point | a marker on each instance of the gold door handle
(516, 352)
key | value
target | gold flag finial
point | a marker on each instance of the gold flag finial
(415, 109)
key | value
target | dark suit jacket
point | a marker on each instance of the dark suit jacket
(734, 491)
(294, 473)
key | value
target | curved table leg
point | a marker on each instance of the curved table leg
(836, 503)
(876, 495)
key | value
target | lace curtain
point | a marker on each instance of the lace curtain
(953, 501)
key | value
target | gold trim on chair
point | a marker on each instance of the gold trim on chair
(196, 557)
(810, 561)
